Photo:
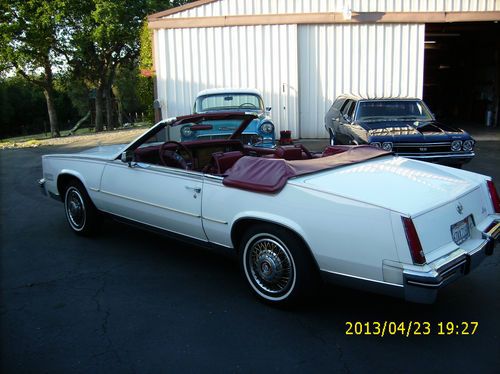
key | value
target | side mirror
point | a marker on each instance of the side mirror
(127, 157)
(347, 118)
(268, 108)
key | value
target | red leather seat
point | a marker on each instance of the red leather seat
(223, 161)
(288, 153)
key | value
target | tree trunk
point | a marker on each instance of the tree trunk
(48, 91)
(118, 97)
(98, 109)
(109, 108)
(54, 125)
(79, 123)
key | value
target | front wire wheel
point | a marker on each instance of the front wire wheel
(276, 266)
(80, 211)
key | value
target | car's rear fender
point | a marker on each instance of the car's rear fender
(241, 225)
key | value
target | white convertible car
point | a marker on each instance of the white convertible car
(351, 214)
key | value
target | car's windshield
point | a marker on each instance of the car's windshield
(229, 101)
(380, 110)
(209, 129)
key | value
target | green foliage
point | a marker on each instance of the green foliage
(77, 92)
(146, 48)
(145, 92)
(32, 33)
(106, 37)
(23, 109)
(15, 96)
(70, 47)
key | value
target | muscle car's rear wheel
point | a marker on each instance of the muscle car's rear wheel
(80, 211)
(275, 264)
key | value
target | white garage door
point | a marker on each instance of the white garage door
(367, 60)
(262, 57)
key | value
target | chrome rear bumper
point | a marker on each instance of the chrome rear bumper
(422, 287)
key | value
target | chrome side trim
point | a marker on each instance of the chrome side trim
(215, 220)
(213, 177)
(162, 170)
(364, 284)
(152, 204)
(88, 158)
(360, 278)
(427, 285)
(161, 229)
(94, 189)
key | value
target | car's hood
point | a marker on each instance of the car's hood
(105, 152)
(395, 183)
(408, 128)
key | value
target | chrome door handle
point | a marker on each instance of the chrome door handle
(195, 189)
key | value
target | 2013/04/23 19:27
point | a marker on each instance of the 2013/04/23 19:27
(411, 328)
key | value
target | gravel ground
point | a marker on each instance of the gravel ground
(87, 140)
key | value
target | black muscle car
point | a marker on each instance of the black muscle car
(404, 126)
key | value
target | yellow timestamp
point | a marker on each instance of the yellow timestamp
(411, 328)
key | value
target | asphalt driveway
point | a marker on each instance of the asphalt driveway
(133, 301)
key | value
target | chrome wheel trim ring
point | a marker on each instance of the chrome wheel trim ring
(75, 209)
(269, 267)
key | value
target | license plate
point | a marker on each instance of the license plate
(460, 231)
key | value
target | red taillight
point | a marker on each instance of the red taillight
(495, 200)
(417, 254)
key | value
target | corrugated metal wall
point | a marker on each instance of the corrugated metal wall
(362, 59)
(246, 7)
(262, 57)
(366, 60)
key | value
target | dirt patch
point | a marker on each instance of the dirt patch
(87, 140)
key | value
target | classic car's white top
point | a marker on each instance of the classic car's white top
(215, 91)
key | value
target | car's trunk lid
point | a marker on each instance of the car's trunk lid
(396, 183)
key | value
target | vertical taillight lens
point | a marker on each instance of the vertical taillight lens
(495, 200)
(417, 254)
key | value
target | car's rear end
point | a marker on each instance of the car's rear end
(444, 221)
(448, 241)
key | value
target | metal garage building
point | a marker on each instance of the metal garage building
(301, 54)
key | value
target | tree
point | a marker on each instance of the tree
(34, 43)
(107, 37)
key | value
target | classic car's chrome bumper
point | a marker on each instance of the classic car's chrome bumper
(41, 184)
(447, 158)
(43, 189)
(423, 286)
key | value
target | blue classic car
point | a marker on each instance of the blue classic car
(403, 126)
(260, 132)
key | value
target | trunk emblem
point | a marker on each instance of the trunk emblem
(460, 208)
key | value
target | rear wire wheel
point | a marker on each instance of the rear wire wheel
(276, 265)
(81, 213)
